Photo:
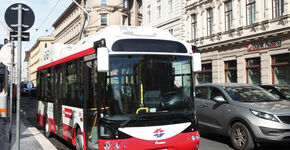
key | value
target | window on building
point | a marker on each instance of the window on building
(205, 75)
(170, 31)
(104, 19)
(148, 13)
(158, 8)
(253, 71)
(193, 26)
(278, 8)
(281, 69)
(231, 71)
(104, 2)
(124, 3)
(45, 45)
(229, 15)
(251, 11)
(170, 7)
(209, 21)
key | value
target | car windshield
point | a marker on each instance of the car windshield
(249, 94)
(284, 90)
(148, 85)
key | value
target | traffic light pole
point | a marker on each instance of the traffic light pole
(18, 76)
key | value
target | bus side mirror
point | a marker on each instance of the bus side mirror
(196, 62)
(103, 59)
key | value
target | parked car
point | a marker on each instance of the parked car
(282, 91)
(248, 114)
(27, 88)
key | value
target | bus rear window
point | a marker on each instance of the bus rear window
(147, 45)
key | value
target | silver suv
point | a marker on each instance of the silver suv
(246, 113)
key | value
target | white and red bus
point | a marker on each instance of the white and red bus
(122, 88)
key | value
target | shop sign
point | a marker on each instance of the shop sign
(264, 45)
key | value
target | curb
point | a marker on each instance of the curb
(41, 139)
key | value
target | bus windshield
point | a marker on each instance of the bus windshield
(142, 85)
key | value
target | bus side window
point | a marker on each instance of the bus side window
(80, 83)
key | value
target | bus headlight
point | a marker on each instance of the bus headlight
(193, 137)
(117, 145)
(197, 136)
(107, 145)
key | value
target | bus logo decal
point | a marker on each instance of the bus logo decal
(159, 133)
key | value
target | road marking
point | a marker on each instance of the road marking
(42, 140)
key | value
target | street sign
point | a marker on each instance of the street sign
(19, 17)
(11, 17)
(24, 36)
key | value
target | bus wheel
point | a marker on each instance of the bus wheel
(79, 141)
(47, 132)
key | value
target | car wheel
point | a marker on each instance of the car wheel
(241, 138)
(47, 132)
(79, 141)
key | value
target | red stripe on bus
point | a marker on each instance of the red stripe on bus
(51, 125)
(84, 137)
(68, 58)
(180, 141)
(40, 119)
(67, 132)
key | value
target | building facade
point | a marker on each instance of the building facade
(68, 27)
(164, 14)
(25, 67)
(36, 55)
(101, 13)
(244, 41)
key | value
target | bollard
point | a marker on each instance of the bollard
(3, 104)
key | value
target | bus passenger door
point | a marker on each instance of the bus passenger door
(91, 103)
(58, 102)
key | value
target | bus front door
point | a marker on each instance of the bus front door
(91, 103)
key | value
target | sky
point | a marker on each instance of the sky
(46, 12)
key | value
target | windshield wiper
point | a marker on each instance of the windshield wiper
(123, 124)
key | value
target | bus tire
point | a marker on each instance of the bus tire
(47, 132)
(79, 140)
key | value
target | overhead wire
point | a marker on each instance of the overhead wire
(45, 19)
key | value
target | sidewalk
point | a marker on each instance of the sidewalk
(30, 137)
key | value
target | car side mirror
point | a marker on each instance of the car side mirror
(196, 62)
(103, 59)
(219, 99)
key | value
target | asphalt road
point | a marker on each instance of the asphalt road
(28, 107)
(209, 141)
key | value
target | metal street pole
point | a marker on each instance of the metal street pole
(18, 76)
(11, 91)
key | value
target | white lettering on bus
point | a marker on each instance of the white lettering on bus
(160, 142)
